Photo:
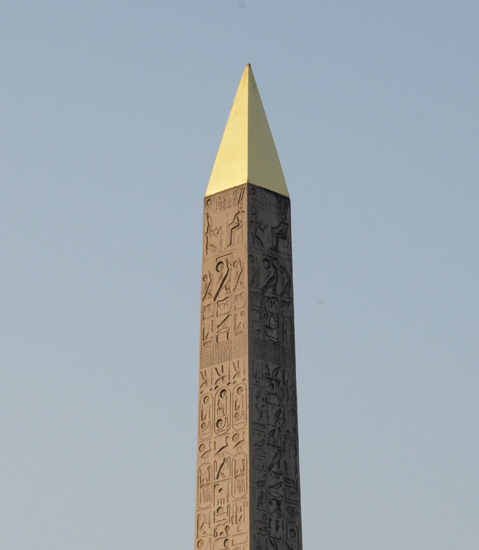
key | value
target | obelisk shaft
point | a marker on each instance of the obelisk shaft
(248, 469)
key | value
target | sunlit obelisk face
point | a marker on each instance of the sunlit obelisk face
(247, 494)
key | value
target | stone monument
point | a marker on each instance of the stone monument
(247, 493)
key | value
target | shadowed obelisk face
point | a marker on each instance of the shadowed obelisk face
(247, 495)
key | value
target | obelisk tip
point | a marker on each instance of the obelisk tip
(247, 152)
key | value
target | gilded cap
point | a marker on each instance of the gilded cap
(247, 152)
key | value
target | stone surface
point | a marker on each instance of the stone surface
(248, 493)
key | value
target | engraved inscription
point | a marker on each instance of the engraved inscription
(248, 490)
(223, 291)
(222, 505)
(274, 493)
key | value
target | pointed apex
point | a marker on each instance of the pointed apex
(247, 153)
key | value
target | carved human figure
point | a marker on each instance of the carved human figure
(212, 235)
(279, 232)
(257, 227)
(235, 228)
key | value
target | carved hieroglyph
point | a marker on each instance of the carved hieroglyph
(247, 495)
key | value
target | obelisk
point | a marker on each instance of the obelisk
(247, 494)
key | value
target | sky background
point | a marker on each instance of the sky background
(111, 114)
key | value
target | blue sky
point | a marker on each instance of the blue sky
(111, 115)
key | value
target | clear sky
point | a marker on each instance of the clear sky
(111, 114)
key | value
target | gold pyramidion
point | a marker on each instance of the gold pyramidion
(247, 152)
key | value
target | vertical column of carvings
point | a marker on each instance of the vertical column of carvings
(222, 505)
(275, 491)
